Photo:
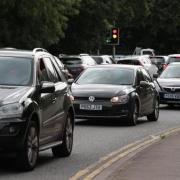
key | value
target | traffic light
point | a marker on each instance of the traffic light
(115, 36)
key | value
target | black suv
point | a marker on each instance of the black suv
(36, 111)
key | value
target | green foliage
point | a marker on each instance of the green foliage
(26, 24)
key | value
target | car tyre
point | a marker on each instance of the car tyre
(65, 148)
(155, 114)
(132, 119)
(28, 155)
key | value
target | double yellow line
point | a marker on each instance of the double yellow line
(95, 169)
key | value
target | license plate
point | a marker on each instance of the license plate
(172, 96)
(91, 107)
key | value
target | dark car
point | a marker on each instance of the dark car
(115, 91)
(169, 82)
(36, 112)
(77, 63)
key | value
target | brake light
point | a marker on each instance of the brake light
(164, 66)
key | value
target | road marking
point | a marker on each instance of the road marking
(104, 162)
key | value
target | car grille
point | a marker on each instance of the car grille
(87, 99)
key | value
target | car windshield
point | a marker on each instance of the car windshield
(174, 59)
(71, 61)
(15, 71)
(171, 72)
(114, 76)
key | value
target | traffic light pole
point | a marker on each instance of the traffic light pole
(114, 51)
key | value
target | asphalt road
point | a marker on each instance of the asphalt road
(92, 140)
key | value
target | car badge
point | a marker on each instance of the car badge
(173, 89)
(91, 98)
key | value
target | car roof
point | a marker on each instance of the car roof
(174, 55)
(21, 52)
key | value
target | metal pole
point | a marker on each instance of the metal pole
(114, 51)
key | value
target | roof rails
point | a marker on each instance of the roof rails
(39, 50)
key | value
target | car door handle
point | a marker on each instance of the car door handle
(54, 100)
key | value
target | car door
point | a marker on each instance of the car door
(141, 90)
(150, 89)
(49, 104)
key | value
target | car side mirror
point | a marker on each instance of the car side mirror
(70, 81)
(143, 83)
(47, 87)
(155, 76)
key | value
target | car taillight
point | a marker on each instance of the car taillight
(164, 66)
(81, 68)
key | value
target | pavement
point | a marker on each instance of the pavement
(159, 161)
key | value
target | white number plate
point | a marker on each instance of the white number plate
(91, 107)
(172, 96)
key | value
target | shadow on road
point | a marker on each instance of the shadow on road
(107, 122)
(170, 107)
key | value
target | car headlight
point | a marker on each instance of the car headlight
(120, 99)
(11, 110)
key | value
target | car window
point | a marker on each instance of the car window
(147, 77)
(50, 69)
(71, 61)
(42, 74)
(58, 69)
(116, 76)
(16, 71)
(139, 77)
(130, 61)
(173, 59)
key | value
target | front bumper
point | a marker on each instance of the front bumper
(109, 110)
(12, 134)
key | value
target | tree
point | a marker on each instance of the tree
(34, 23)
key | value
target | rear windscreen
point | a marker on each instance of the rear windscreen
(174, 59)
(71, 61)
(132, 62)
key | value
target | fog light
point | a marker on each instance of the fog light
(12, 130)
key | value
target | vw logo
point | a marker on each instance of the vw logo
(173, 89)
(91, 98)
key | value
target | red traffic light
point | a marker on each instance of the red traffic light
(114, 31)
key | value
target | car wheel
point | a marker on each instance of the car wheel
(28, 155)
(155, 114)
(134, 115)
(65, 148)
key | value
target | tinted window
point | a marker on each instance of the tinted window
(116, 76)
(50, 69)
(16, 71)
(42, 72)
(146, 75)
(71, 61)
(171, 72)
(132, 62)
(140, 77)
